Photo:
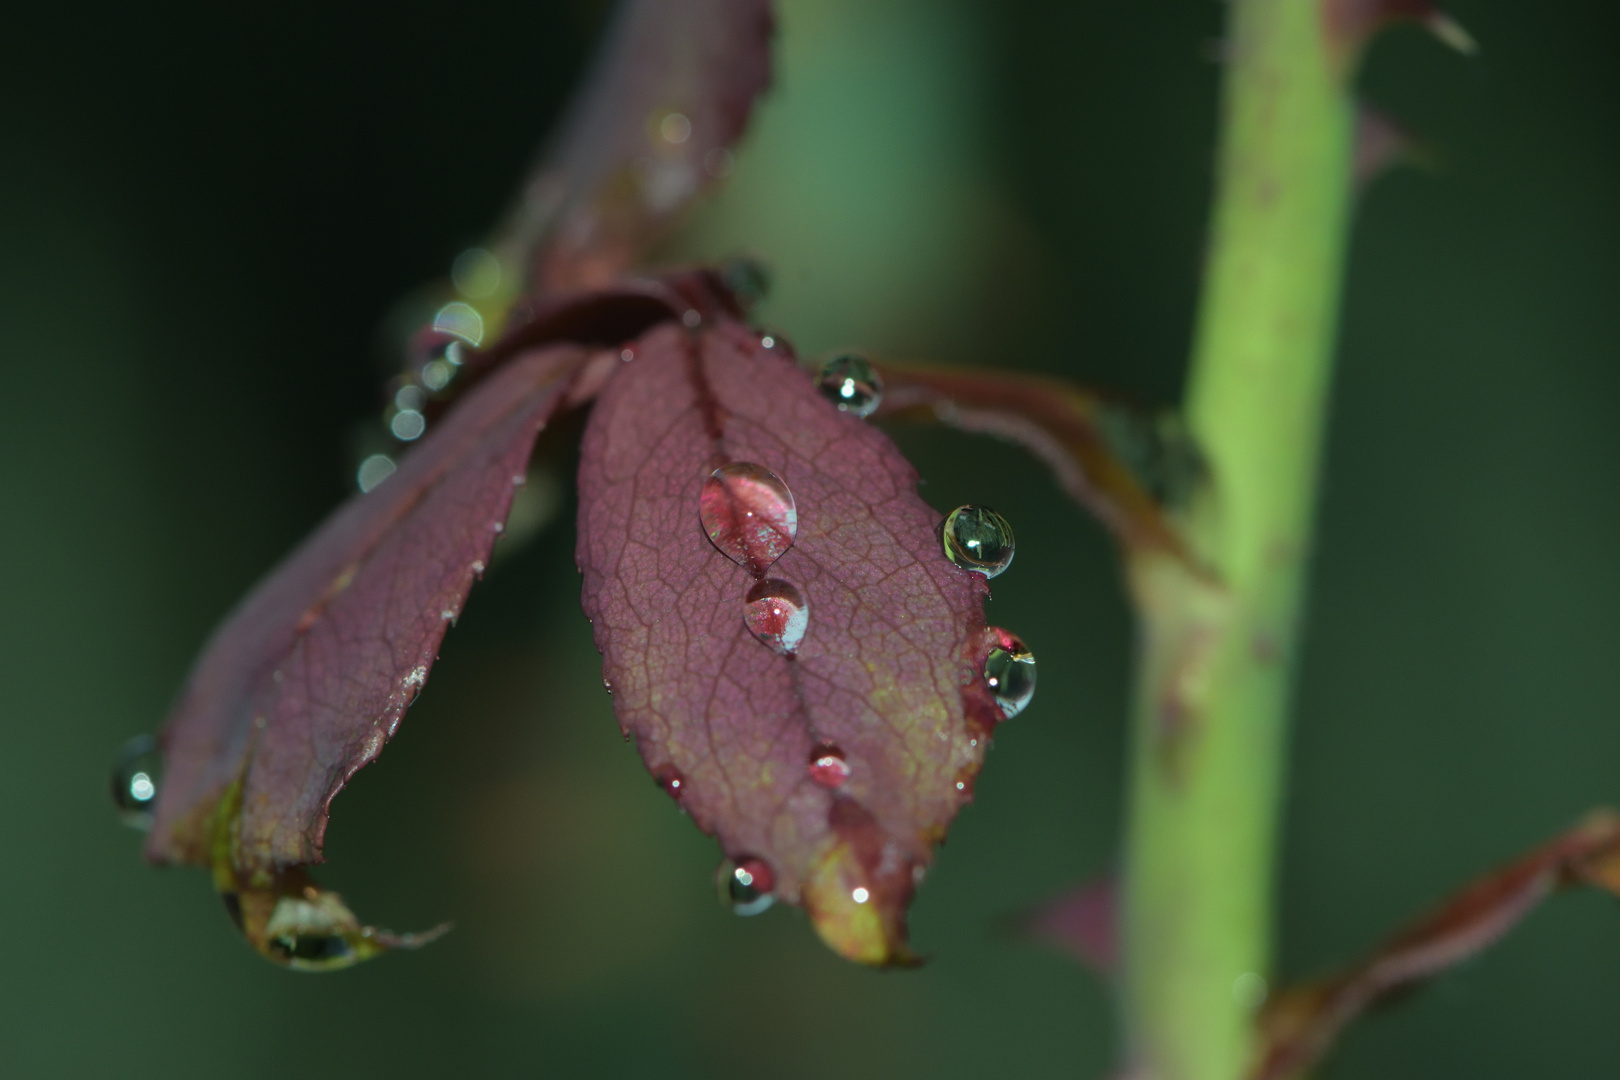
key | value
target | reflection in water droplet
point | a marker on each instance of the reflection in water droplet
(135, 775)
(374, 470)
(462, 320)
(407, 425)
(668, 777)
(1010, 671)
(860, 894)
(850, 382)
(749, 514)
(979, 539)
(775, 612)
(745, 884)
(476, 273)
(828, 767)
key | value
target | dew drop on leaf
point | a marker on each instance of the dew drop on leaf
(672, 780)
(979, 539)
(828, 767)
(748, 513)
(775, 612)
(1010, 672)
(850, 382)
(745, 884)
(135, 775)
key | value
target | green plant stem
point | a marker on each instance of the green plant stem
(1210, 719)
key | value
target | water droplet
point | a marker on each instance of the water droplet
(476, 273)
(775, 612)
(749, 514)
(675, 128)
(691, 318)
(411, 397)
(746, 883)
(767, 342)
(374, 470)
(979, 539)
(437, 373)
(850, 382)
(627, 355)
(135, 775)
(1010, 671)
(828, 767)
(311, 948)
(671, 779)
(462, 320)
(407, 425)
(860, 894)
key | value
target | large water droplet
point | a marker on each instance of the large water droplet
(775, 612)
(748, 513)
(828, 767)
(1010, 672)
(850, 382)
(746, 883)
(135, 775)
(979, 539)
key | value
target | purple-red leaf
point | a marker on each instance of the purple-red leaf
(309, 676)
(1350, 24)
(828, 755)
(1300, 1024)
(670, 92)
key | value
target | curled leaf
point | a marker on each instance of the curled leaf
(1128, 469)
(837, 756)
(1299, 1025)
(304, 682)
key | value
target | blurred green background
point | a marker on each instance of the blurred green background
(206, 212)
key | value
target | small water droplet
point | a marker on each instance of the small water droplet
(373, 471)
(691, 318)
(979, 539)
(462, 320)
(767, 342)
(410, 396)
(749, 514)
(1010, 671)
(828, 767)
(675, 128)
(135, 775)
(407, 425)
(960, 786)
(671, 779)
(478, 567)
(775, 612)
(627, 355)
(860, 894)
(437, 373)
(850, 382)
(745, 884)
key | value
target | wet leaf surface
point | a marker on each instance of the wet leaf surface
(309, 676)
(1128, 468)
(1300, 1024)
(839, 763)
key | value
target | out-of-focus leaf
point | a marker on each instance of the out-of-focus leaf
(1129, 469)
(1080, 922)
(1382, 144)
(1350, 24)
(838, 765)
(310, 675)
(671, 91)
(1300, 1024)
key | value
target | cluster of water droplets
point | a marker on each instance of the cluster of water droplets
(979, 540)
